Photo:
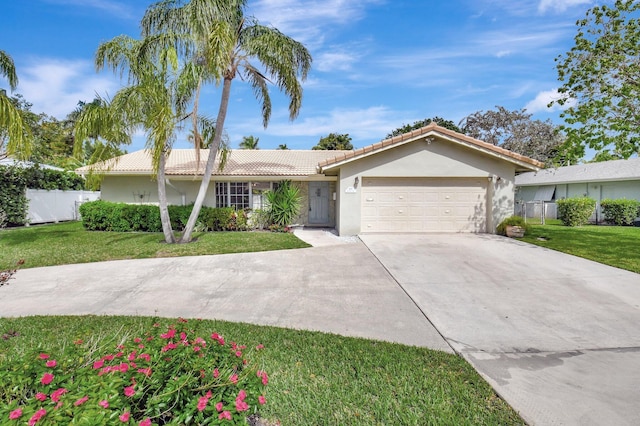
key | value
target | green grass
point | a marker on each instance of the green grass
(314, 378)
(67, 243)
(612, 245)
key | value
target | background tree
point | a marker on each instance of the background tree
(249, 142)
(283, 146)
(334, 141)
(52, 140)
(515, 131)
(215, 35)
(601, 81)
(15, 138)
(605, 155)
(406, 128)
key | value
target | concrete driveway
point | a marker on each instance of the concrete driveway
(337, 288)
(557, 336)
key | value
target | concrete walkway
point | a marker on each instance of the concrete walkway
(557, 336)
(337, 287)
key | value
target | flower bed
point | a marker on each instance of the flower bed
(166, 376)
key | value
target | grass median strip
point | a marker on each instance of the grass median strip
(68, 243)
(314, 378)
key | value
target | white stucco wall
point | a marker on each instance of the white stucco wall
(441, 158)
(124, 189)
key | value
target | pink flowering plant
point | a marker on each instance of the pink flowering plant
(166, 376)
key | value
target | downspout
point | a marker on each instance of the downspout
(183, 195)
(490, 229)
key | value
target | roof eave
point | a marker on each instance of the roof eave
(522, 165)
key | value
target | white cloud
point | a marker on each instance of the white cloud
(334, 61)
(55, 86)
(364, 123)
(308, 21)
(113, 7)
(560, 5)
(542, 99)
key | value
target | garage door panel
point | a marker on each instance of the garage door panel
(423, 205)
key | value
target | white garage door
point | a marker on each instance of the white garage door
(424, 205)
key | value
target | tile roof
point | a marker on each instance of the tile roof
(432, 130)
(592, 172)
(256, 162)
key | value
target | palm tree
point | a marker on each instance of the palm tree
(12, 126)
(155, 101)
(216, 35)
(249, 142)
(283, 146)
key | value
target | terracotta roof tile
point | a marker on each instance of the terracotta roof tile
(432, 128)
(239, 163)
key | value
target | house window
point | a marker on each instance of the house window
(222, 194)
(258, 191)
(239, 195)
(233, 194)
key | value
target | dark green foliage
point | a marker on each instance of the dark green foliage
(13, 195)
(121, 217)
(284, 204)
(512, 221)
(49, 179)
(334, 141)
(406, 128)
(620, 212)
(599, 81)
(575, 211)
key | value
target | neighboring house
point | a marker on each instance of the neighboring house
(429, 180)
(608, 179)
(26, 164)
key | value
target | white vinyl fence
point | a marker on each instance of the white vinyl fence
(55, 206)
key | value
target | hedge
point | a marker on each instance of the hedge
(621, 211)
(13, 196)
(122, 217)
(50, 179)
(575, 211)
(14, 182)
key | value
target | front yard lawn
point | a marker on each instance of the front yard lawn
(617, 246)
(68, 243)
(314, 378)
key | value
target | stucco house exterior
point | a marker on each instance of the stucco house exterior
(429, 180)
(607, 179)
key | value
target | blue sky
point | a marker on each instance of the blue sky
(378, 64)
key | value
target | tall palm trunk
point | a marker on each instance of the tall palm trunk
(213, 152)
(169, 238)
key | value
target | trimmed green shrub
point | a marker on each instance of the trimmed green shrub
(38, 178)
(216, 219)
(575, 211)
(122, 217)
(621, 211)
(13, 195)
(512, 221)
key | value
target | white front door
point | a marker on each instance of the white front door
(318, 203)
